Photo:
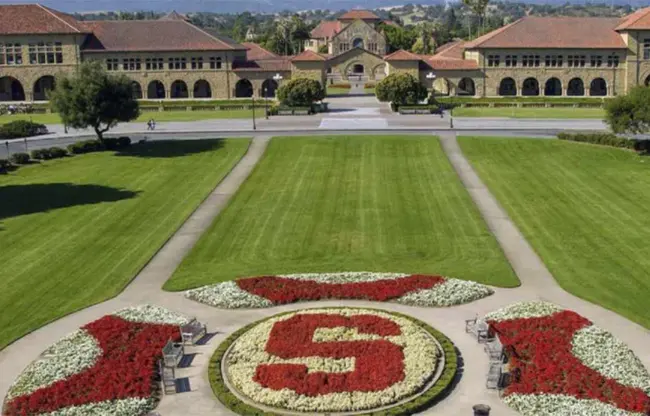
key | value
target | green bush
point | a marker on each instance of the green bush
(116, 143)
(300, 92)
(74, 149)
(401, 89)
(21, 128)
(40, 154)
(4, 166)
(85, 146)
(340, 85)
(56, 152)
(607, 139)
(19, 158)
(123, 142)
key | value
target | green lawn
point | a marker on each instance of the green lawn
(543, 112)
(53, 118)
(338, 91)
(584, 208)
(75, 231)
(377, 203)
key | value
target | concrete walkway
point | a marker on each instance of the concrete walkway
(537, 283)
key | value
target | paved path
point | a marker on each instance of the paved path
(537, 283)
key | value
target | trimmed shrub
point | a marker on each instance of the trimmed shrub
(340, 85)
(4, 166)
(21, 128)
(57, 152)
(86, 146)
(608, 139)
(40, 154)
(300, 92)
(110, 144)
(123, 141)
(74, 149)
(19, 158)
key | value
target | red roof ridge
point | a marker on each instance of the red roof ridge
(627, 22)
(205, 33)
(308, 55)
(402, 55)
(47, 9)
(482, 39)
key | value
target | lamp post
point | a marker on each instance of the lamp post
(253, 98)
(277, 78)
(265, 92)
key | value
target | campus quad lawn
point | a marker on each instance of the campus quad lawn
(584, 208)
(53, 118)
(75, 231)
(338, 91)
(542, 112)
(357, 203)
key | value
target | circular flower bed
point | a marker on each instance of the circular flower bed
(568, 366)
(266, 291)
(106, 367)
(333, 360)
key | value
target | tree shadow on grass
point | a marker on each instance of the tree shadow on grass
(17, 200)
(170, 148)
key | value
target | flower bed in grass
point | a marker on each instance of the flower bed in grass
(106, 367)
(333, 360)
(266, 291)
(567, 365)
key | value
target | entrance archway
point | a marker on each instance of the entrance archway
(440, 86)
(553, 87)
(179, 89)
(137, 90)
(202, 89)
(42, 86)
(243, 89)
(268, 88)
(156, 90)
(530, 87)
(598, 87)
(576, 87)
(357, 69)
(507, 87)
(466, 87)
(11, 89)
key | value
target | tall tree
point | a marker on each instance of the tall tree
(93, 98)
(629, 113)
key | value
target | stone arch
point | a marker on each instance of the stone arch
(243, 88)
(42, 86)
(357, 43)
(202, 89)
(507, 86)
(530, 86)
(552, 87)
(178, 89)
(440, 87)
(575, 87)
(268, 88)
(466, 87)
(598, 87)
(137, 90)
(379, 72)
(11, 89)
(156, 90)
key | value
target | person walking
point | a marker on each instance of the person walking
(150, 124)
(153, 124)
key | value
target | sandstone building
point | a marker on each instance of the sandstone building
(172, 59)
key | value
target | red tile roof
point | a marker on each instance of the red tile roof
(450, 56)
(389, 23)
(278, 64)
(326, 29)
(554, 32)
(255, 52)
(639, 20)
(402, 55)
(150, 35)
(174, 15)
(359, 14)
(308, 55)
(22, 19)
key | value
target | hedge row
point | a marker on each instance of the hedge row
(88, 146)
(608, 139)
(435, 393)
(520, 99)
(340, 85)
(21, 128)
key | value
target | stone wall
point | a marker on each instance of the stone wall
(359, 30)
(374, 67)
(309, 69)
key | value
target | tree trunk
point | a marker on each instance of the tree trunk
(99, 133)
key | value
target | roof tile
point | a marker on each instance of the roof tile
(639, 20)
(19, 19)
(402, 55)
(326, 29)
(256, 52)
(359, 14)
(307, 56)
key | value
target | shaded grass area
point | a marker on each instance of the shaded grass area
(75, 231)
(338, 91)
(348, 203)
(584, 208)
(541, 112)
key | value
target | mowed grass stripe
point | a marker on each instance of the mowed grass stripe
(583, 208)
(55, 261)
(348, 203)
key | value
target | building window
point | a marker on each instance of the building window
(177, 63)
(197, 62)
(576, 60)
(596, 60)
(112, 64)
(511, 60)
(646, 48)
(493, 60)
(344, 47)
(612, 61)
(215, 62)
(553, 61)
(131, 64)
(11, 54)
(154, 64)
(530, 60)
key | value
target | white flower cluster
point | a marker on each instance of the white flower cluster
(520, 310)
(68, 356)
(561, 405)
(151, 314)
(450, 292)
(123, 407)
(421, 356)
(228, 295)
(601, 351)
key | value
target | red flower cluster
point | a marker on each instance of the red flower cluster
(285, 290)
(542, 352)
(378, 364)
(126, 368)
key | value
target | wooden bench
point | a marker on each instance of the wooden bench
(191, 331)
(167, 378)
(172, 353)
